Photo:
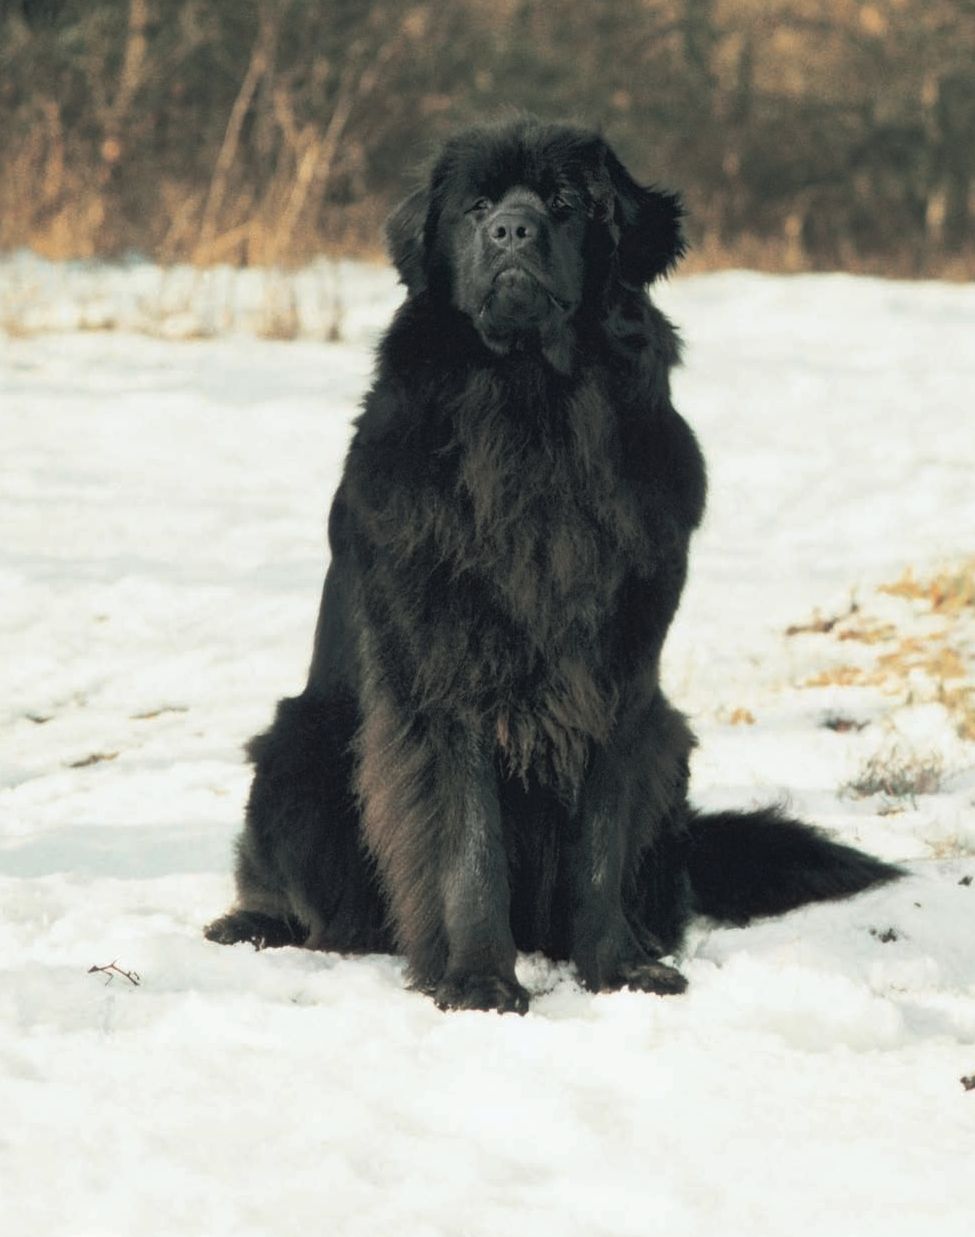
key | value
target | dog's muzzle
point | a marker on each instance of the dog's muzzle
(517, 301)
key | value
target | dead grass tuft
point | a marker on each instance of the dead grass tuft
(844, 676)
(927, 666)
(946, 593)
(897, 776)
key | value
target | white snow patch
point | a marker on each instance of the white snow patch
(161, 551)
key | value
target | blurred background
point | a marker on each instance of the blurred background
(804, 134)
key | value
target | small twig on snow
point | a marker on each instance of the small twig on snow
(112, 969)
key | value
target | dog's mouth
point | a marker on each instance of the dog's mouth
(518, 299)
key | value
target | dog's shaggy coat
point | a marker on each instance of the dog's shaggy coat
(483, 759)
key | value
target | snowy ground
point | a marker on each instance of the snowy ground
(161, 533)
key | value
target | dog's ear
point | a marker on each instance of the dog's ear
(651, 239)
(406, 242)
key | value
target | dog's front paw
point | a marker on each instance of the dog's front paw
(262, 931)
(652, 976)
(487, 992)
(611, 964)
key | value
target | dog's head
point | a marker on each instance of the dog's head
(524, 224)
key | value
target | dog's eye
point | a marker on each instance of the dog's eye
(563, 201)
(479, 207)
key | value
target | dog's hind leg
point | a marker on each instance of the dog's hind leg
(302, 875)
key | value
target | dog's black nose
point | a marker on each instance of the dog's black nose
(513, 228)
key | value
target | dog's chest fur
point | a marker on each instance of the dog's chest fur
(538, 493)
(522, 529)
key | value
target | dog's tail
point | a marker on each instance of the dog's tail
(745, 864)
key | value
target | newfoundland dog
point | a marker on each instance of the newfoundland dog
(483, 760)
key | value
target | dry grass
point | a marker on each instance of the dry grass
(950, 847)
(782, 254)
(935, 665)
(844, 676)
(897, 776)
(271, 131)
(946, 593)
(869, 633)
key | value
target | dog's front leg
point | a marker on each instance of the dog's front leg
(480, 970)
(607, 953)
(431, 820)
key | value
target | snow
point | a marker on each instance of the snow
(161, 550)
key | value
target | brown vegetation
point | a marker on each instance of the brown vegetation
(935, 665)
(805, 133)
(897, 775)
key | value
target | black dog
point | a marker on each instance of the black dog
(483, 759)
